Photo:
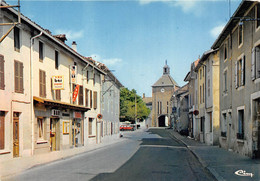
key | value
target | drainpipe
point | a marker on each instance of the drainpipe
(31, 86)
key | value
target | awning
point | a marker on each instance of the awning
(52, 103)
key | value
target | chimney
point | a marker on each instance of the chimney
(74, 46)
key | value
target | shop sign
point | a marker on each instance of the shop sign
(99, 116)
(73, 74)
(55, 112)
(58, 82)
(77, 115)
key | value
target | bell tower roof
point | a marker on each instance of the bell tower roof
(166, 69)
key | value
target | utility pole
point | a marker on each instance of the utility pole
(135, 110)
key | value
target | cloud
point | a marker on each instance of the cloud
(107, 61)
(71, 35)
(186, 6)
(216, 30)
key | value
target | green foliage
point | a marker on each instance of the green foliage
(127, 106)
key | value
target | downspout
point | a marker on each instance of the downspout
(31, 85)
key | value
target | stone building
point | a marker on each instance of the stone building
(162, 91)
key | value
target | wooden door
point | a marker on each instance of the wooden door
(16, 136)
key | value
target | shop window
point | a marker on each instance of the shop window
(18, 76)
(240, 72)
(17, 40)
(42, 83)
(2, 130)
(66, 127)
(2, 72)
(41, 47)
(40, 125)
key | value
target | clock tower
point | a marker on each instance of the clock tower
(162, 91)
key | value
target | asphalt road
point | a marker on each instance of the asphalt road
(153, 155)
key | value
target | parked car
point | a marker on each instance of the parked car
(126, 128)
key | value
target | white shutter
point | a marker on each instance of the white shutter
(236, 78)
(253, 73)
(243, 71)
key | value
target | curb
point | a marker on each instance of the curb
(212, 171)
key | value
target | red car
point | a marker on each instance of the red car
(126, 128)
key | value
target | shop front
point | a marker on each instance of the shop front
(77, 129)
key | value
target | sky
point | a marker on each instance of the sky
(135, 38)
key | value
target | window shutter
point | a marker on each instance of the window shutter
(40, 82)
(253, 62)
(21, 77)
(86, 97)
(16, 76)
(257, 62)
(44, 83)
(95, 100)
(236, 78)
(2, 72)
(243, 71)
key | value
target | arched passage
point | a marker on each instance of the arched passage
(161, 121)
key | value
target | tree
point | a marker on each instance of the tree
(132, 105)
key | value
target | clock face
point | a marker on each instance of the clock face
(162, 90)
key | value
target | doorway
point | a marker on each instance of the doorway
(16, 134)
(54, 134)
(161, 121)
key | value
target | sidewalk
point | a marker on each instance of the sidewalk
(221, 163)
(17, 165)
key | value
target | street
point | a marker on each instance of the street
(143, 155)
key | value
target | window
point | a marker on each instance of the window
(66, 127)
(58, 95)
(202, 121)
(2, 130)
(255, 66)
(18, 76)
(2, 72)
(42, 83)
(56, 59)
(224, 125)
(40, 51)
(86, 97)
(91, 100)
(158, 107)
(90, 125)
(80, 95)
(94, 81)
(257, 15)
(240, 134)
(95, 100)
(40, 124)
(210, 122)
(225, 51)
(240, 72)
(17, 44)
(200, 74)
(240, 34)
(225, 81)
(167, 107)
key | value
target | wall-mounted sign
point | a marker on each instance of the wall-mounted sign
(99, 116)
(57, 82)
(55, 113)
(73, 74)
(75, 93)
(196, 112)
(77, 115)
